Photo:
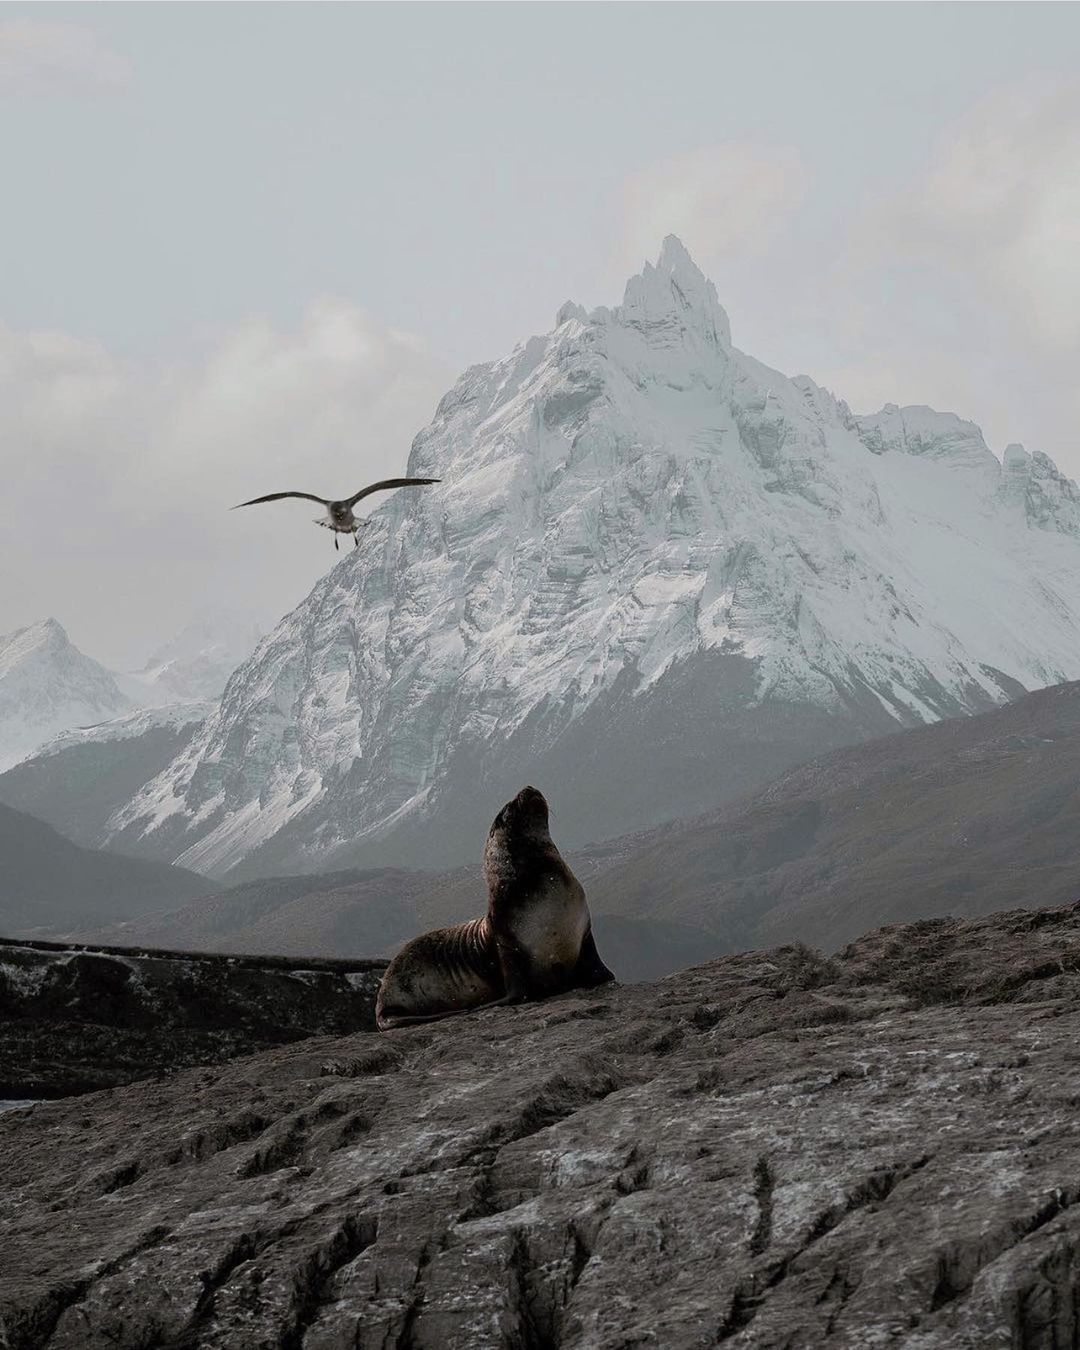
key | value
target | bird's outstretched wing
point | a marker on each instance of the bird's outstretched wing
(277, 496)
(389, 483)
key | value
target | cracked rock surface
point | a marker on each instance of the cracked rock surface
(772, 1150)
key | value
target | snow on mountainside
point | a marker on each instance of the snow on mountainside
(46, 686)
(655, 573)
(131, 726)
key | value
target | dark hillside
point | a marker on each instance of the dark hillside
(967, 816)
(48, 884)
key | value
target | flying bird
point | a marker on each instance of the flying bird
(339, 515)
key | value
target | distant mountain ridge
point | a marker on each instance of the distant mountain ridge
(363, 914)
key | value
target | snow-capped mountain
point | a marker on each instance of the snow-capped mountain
(47, 686)
(655, 573)
(195, 665)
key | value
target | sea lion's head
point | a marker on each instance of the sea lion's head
(525, 815)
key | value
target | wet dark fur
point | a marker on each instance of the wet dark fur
(535, 939)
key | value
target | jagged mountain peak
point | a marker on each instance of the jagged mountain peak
(655, 571)
(1034, 484)
(571, 310)
(675, 292)
(672, 294)
(675, 259)
(44, 640)
(20, 643)
(48, 685)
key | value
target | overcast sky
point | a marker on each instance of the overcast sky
(247, 247)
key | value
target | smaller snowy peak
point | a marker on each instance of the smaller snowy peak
(571, 310)
(923, 431)
(46, 686)
(1035, 484)
(33, 641)
(1029, 482)
(37, 644)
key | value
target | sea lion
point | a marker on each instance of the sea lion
(535, 939)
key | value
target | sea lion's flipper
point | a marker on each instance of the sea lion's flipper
(590, 970)
(389, 1021)
(514, 964)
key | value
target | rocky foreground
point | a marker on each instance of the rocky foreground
(776, 1149)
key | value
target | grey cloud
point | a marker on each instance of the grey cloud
(119, 475)
(50, 59)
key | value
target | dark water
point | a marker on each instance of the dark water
(11, 1106)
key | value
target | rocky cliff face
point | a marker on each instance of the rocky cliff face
(655, 574)
(78, 1018)
(774, 1150)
